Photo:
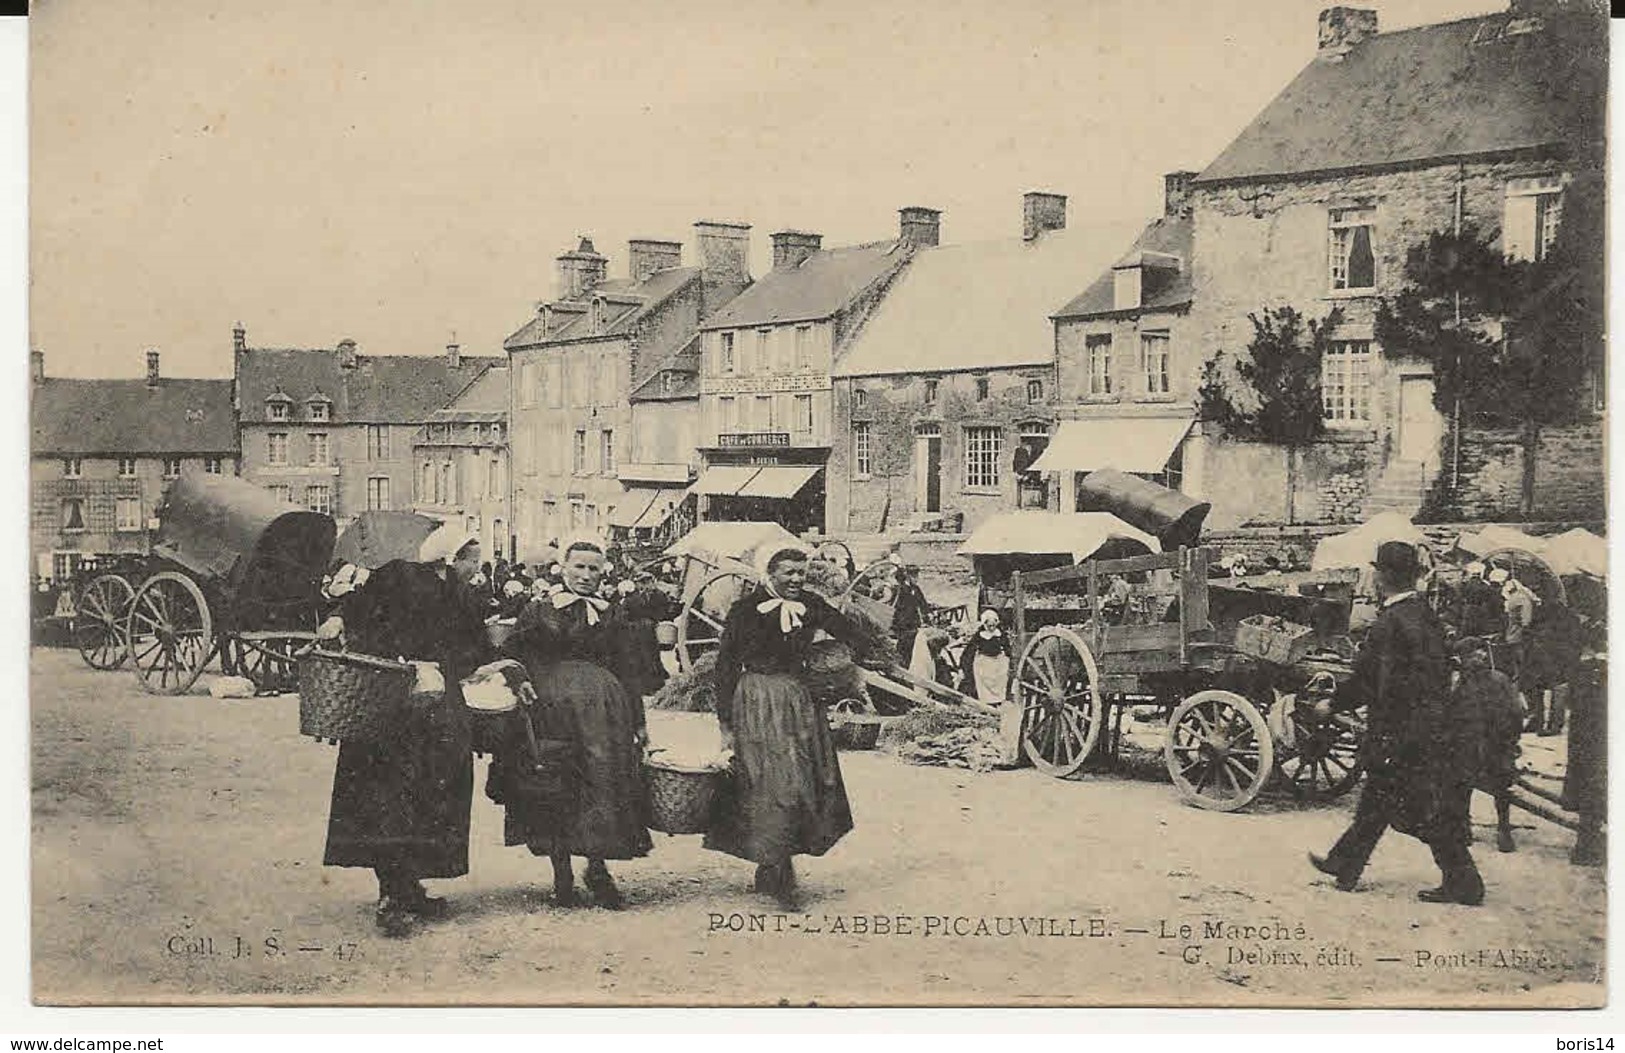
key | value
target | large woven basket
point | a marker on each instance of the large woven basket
(857, 731)
(830, 673)
(351, 696)
(680, 798)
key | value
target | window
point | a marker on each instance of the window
(276, 447)
(763, 363)
(860, 399)
(1035, 391)
(73, 468)
(981, 389)
(426, 482)
(1032, 441)
(860, 448)
(1353, 262)
(320, 455)
(554, 371)
(472, 524)
(727, 413)
(982, 449)
(496, 435)
(589, 518)
(278, 410)
(318, 411)
(550, 518)
(763, 418)
(319, 498)
(493, 478)
(126, 467)
(596, 317)
(172, 467)
(1534, 208)
(378, 494)
(214, 465)
(1098, 347)
(73, 514)
(802, 422)
(668, 383)
(127, 514)
(578, 466)
(725, 363)
(377, 442)
(575, 516)
(581, 382)
(606, 454)
(282, 492)
(1154, 362)
(527, 385)
(1345, 382)
(931, 391)
(803, 346)
(65, 565)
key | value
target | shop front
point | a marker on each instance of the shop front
(761, 477)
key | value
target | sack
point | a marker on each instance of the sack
(1282, 727)
(428, 686)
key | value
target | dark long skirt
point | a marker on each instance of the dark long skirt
(586, 704)
(786, 796)
(403, 804)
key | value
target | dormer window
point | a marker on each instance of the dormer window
(668, 383)
(319, 411)
(278, 408)
(1126, 288)
(496, 434)
(596, 316)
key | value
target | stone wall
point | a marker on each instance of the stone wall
(1246, 482)
(1486, 482)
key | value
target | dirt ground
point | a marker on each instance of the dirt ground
(177, 846)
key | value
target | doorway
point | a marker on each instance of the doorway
(928, 463)
(1419, 423)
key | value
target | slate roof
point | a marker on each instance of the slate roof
(1161, 288)
(382, 388)
(685, 364)
(1429, 93)
(626, 303)
(484, 399)
(816, 288)
(981, 305)
(111, 417)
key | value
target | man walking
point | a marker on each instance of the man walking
(1402, 674)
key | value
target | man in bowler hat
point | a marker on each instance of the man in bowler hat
(1402, 674)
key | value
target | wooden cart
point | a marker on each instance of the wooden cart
(1088, 654)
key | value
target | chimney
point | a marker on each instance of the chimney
(1041, 212)
(1176, 193)
(152, 368)
(724, 251)
(645, 257)
(454, 356)
(36, 365)
(790, 247)
(346, 353)
(1342, 28)
(239, 338)
(581, 271)
(919, 227)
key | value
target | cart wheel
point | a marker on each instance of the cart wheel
(1057, 685)
(266, 660)
(99, 629)
(1324, 761)
(699, 623)
(1219, 750)
(171, 633)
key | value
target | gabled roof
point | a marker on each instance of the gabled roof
(1489, 85)
(88, 417)
(1169, 236)
(683, 365)
(626, 302)
(981, 305)
(819, 287)
(483, 400)
(379, 388)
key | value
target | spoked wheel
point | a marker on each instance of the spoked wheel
(1324, 760)
(699, 623)
(99, 622)
(171, 633)
(1219, 750)
(1062, 711)
(268, 659)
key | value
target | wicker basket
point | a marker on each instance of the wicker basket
(857, 731)
(498, 631)
(351, 696)
(680, 798)
(830, 673)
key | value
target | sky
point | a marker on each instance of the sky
(404, 173)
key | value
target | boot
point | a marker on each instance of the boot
(417, 901)
(564, 882)
(393, 919)
(1465, 887)
(604, 892)
(789, 899)
(1345, 882)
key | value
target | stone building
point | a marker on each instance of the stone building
(766, 416)
(332, 429)
(944, 398)
(462, 463)
(103, 453)
(576, 363)
(1127, 363)
(1490, 122)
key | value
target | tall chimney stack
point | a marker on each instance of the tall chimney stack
(581, 271)
(919, 227)
(1341, 29)
(239, 338)
(1176, 193)
(152, 368)
(724, 250)
(645, 256)
(346, 353)
(1041, 212)
(791, 247)
(36, 365)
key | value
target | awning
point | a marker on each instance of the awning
(1077, 534)
(1128, 444)
(724, 480)
(665, 474)
(645, 507)
(780, 482)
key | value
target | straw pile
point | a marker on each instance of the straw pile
(689, 691)
(945, 738)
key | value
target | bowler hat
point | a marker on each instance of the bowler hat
(1398, 559)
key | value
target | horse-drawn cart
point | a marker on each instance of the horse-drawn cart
(234, 571)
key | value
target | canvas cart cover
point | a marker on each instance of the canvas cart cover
(1170, 516)
(1077, 534)
(1496, 537)
(218, 526)
(1578, 552)
(376, 538)
(1358, 547)
(741, 541)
